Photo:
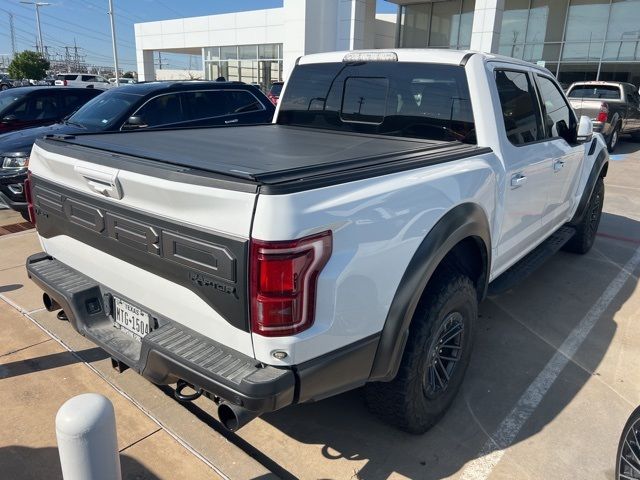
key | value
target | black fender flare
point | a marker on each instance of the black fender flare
(467, 220)
(598, 170)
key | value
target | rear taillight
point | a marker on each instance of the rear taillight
(29, 197)
(64, 82)
(603, 114)
(284, 277)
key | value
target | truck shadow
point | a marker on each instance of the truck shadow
(26, 463)
(519, 332)
(627, 146)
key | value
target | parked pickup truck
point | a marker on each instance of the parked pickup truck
(614, 108)
(348, 244)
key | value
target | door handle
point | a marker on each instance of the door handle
(102, 180)
(518, 180)
(558, 165)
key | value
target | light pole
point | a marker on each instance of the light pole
(113, 41)
(37, 5)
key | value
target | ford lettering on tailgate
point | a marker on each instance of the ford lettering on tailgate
(204, 262)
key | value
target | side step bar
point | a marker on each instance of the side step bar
(532, 261)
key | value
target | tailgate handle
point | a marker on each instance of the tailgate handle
(105, 182)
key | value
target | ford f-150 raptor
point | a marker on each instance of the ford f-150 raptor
(347, 244)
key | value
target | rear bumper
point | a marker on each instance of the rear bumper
(168, 353)
(171, 351)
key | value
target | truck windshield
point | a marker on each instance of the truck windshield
(589, 91)
(417, 100)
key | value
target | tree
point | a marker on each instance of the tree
(29, 65)
(129, 75)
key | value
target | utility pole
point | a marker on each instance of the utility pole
(113, 41)
(37, 5)
(12, 31)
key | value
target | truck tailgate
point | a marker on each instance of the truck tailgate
(173, 244)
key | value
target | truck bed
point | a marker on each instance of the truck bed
(272, 155)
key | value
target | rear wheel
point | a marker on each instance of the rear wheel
(435, 358)
(628, 458)
(4, 87)
(613, 139)
(586, 230)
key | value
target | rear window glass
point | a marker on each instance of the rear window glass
(429, 101)
(8, 97)
(586, 91)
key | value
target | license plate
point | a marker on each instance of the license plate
(130, 319)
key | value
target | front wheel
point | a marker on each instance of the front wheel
(586, 230)
(435, 358)
(4, 87)
(628, 457)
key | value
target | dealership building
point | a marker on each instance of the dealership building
(575, 39)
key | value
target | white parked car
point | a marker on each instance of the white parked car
(123, 81)
(82, 80)
(346, 244)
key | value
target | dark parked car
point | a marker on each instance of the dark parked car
(134, 107)
(614, 108)
(29, 107)
(5, 83)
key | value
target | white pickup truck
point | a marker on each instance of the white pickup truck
(347, 244)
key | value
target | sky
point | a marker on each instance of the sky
(86, 23)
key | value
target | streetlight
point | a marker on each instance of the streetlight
(113, 41)
(38, 5)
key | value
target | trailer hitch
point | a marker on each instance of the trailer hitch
(181, 397)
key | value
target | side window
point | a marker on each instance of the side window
(556, 113)
(520, 109)
(37, 107)
(243, 102)
(162, 110)
(206, 104)
(88, 78)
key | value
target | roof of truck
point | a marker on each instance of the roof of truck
(425, 55)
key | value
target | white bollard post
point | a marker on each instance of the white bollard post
(87, 441)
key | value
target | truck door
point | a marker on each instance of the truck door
(565, 155)
(525, 162)
(633, 104)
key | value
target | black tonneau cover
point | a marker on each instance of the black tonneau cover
(271, 155)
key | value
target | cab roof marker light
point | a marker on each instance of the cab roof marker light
(370, 57)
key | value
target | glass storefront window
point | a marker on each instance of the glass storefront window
(268, 52)
(228, 53)
(624, 22)
(415, 25)
(445, 24)
(247, 52)
(256, 64)
(514, 22)
(546, 21)
(212, 53)
(587, 21)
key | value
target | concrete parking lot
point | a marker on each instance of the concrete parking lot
(554, 375)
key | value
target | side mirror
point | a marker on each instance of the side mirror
(9, 119)
(133, 123)
(585, 129)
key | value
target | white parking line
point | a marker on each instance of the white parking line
(494, 448)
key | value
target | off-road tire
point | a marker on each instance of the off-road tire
(405, 402)
(629, 448)
(614, 139)
(586, 230)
